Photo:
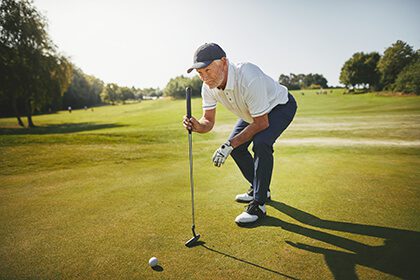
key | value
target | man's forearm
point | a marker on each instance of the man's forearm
(205, 125)
(246, 134)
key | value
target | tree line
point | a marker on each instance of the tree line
(88, 91)
(398, 70)
(36, 78)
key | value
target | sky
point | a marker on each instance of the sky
(145, 43)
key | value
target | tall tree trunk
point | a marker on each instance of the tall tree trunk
(17, 114)
(30, 123)
(20, 122)
(29, 113)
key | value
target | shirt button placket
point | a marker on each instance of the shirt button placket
(227, 94)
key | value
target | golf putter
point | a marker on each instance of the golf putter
(194, 239)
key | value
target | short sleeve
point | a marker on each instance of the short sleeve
(256, 97)
(209, 102)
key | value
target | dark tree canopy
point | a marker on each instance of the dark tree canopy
(394, 60)
(408, 81)
(33, 73)
(361, 70)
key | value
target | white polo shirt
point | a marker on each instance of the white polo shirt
(248, 93)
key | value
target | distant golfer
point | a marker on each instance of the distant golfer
(265, 109)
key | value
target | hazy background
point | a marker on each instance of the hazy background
(146, 43)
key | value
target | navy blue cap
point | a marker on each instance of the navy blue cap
(206, 54)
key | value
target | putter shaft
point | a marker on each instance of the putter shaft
(191, 178)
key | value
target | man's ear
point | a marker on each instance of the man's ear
(224, 60)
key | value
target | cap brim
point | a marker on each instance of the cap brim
(199, 65)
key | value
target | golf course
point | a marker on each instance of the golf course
(94, 194)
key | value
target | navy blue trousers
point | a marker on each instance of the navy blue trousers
(258, 169)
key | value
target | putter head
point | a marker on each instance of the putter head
(193, 241)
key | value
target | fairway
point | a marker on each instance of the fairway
(96, 194)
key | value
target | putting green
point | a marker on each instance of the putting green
(94, 195)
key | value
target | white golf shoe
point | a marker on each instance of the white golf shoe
(249, 196)
(253, 213)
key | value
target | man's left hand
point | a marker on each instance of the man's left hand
(221, 154)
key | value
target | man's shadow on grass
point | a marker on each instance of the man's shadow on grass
(203, 244)
(398, 256)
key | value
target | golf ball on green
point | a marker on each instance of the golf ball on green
(153, 261)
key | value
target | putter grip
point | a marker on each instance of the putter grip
(188, 97)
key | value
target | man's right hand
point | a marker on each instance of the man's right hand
(205, 124)
(190, 124)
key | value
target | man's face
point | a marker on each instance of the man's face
(213, 75)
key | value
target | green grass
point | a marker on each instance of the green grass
(94, 195)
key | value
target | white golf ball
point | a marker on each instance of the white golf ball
(153, 261)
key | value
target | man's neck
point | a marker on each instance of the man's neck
(223, 85)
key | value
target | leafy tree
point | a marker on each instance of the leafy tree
(95, 88)
(36, 73)
(370, 70)
(195, 84)
(349, 75)
(154, 92)
(176, 87)
(314, 79)
(287, 82)
(126, 94)
(110, 93)
(113, 93)
(84, 90)
(10, 91)
(300, 81)
(297, 80)
(54, 79)
(394, 60)
(360, 70)
(408, 81)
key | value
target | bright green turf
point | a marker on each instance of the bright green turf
(94, 195)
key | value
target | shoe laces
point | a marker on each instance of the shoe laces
(250, 208)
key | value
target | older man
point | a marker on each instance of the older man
(265, 109)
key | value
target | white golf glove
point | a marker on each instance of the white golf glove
(221, 154)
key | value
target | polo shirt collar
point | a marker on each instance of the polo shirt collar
(230, 84)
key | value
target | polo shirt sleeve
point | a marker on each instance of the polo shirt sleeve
(208, 100)
(256, 97)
